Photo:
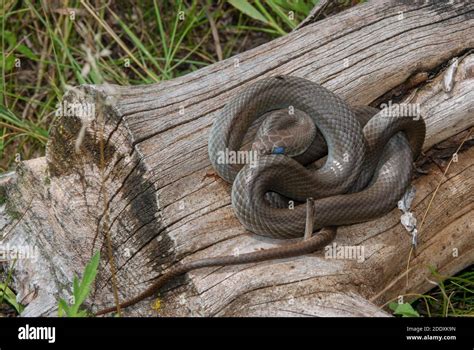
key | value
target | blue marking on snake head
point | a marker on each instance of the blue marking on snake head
(278, 150)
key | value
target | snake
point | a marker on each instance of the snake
(353, 162)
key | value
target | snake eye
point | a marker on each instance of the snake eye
(278, 150)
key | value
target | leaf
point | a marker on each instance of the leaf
(63, 307)
(80, 290)
(81, 313)
(91, 271)
(393, 306)
(76, 291)
(404, 310)
(245, 7)
(10, 38)
(9, 62)
(25, 50)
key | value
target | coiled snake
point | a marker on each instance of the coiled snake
(367, 170)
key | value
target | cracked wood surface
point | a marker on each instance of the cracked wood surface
(165, 205)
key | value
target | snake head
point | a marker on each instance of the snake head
(285, 133)
(261, 147)
(265, 145)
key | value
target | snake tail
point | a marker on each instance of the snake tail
(310, 245)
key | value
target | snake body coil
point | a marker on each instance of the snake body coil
(367, 169)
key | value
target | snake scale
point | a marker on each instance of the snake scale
(367, 169)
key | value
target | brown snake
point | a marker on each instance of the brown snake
(367, 170)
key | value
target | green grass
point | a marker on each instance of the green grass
(454, 296)
(451, 297)
(81, 290)
(47, 47)
(6, 294)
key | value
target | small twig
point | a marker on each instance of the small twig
(215, 36)
(308, 232)
(314, 14)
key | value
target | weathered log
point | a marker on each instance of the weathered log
(139, 170)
